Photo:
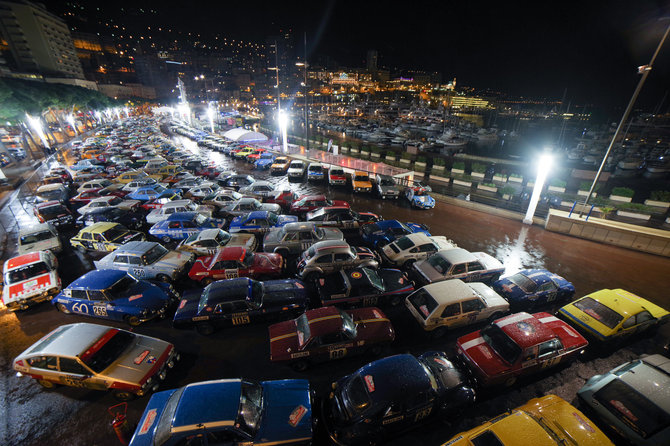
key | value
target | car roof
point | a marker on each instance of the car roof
(182, 216)
(207, 234)
(386, 224)
(360, 172)
(50, 187)
(525, 329)
(324, 320)
(98, 279)
(207, 402)
(542, 276)
(100, 226)
(222, 290)
(418, 238)
(175, 203)
(326, 244)
(24, 259)
(136, 247)
(257, 214)
(48, 204)
(450, 291)
(230, 253)
(622, 301)
(456, 255)
(299, 226)
(396, 377)
(651, 378)
(69, 340)
(39, 227)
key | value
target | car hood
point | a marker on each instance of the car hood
(173, 259)
(138, 360)
(395, 280)
(425, 200)
(288, 291)
(146, 295)
(480, 353)
(271, 207)
(188, 307)
(287, 412)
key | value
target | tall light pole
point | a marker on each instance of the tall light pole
(276, 68)
(306, 110)
(644, 70)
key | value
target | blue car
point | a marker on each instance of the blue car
(265, 161)
(151, 192)
(315, 172)
(530, 288)
(383, 232)
(182, 225)
(228, 411)
(259, 222)
(114, 295)
(86, 165)
(418, 197)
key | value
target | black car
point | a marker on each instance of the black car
(392, 395)
(131, 220)
(364, 287)
(193, 165)
(236, 181)
(239, 301)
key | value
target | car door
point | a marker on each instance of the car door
(458, 271)
(636, 323)
(174, 229)
(451, 316)
(546, 292)
(235, 312)
(87, 240)
(472, 311)
(343, 260)
(334, 346)
(475, 272)
(46, 366)
(137, 268)
(79, 303)
(120, 262)
(100, 306)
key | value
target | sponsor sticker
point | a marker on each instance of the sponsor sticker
(30, 284)
(151, 359)
(443, 362)
(377, 314)
(583, 422)
(141, 357)
(485, 351)
(525, 327)
(182, 304)
(356, 275)
(134, 297)
(370, 383)
(621, 407)
(297, 415)
(424, 310)
(148, 422)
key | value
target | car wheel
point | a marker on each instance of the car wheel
(63, 309)
(438, 332)
(124, 395)
(206, 281)
(133, 321)
(164, 278)
(166, 239)
(204, 329)
(299, 366)
(46, 384)
(509, 382)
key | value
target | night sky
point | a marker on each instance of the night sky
(535, 49)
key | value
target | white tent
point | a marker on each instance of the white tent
(243, 135)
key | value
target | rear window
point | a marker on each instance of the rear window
(523, 282)
(423, 302)
(404, 243)
(439, 263)
(599, 312)
(633, 409)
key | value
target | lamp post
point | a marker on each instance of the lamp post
(282, 119)
(210, 115)
(543, 167)
(644, 70)
(306, 110)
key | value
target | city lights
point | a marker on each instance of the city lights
(543, 167)
(37, 127)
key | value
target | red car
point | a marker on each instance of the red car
(307, 203)
(253, 156)
(208, 172)
(329, 333)
(283, 198)
(518, 344)
(232, 262)
(85, 197)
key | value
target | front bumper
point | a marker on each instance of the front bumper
(27, 302)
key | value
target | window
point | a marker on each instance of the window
(332, 338)
(451, 310)
(475, 266)
(472, 305)
(549, 348)
(548, 286)
(325, 259)
(306, 236)
(121, 259)
(43, 362)
(644, 316)
(96, 295)
(344, 257)
(79, 294)
(630, 322)
(69, 365)
(458, 269)
(428, 247)
(135, 260)
(188, 224)
(87, 236)
(174, 225)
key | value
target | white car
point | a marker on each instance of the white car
(109, 201)
(458, 263)
(209, 241)
(171, 207)
(297, 169)
(94, 185)
(136, 184)
(413, 247)
(260, 189)
(29, 279)
(40, 237)
(201, 191)
(446, 305)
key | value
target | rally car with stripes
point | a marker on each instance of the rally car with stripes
(29, 279)
(328, 333)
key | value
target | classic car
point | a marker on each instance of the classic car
(245, 205)
(242, 154)
(236, 181)
(413, 247)
(419, 197)
(336, 176)
(209, 172)
(260, 189)
(175, 206)
(363, 287)
(308, 203)
(341, 217)
(239, 301)
(315, 172)
(187, 183)
(182, 225)
(30, 279)
(39, 237)
(634, 399)
(132, 186)
(265, 161)
(129, 219)
(231, 262)
(549, 420)
(52, 192)
(98, 357)
(296, 237)
(384, 232)
(392, 395)
(130, 176)
(360, 182)
(449, 304)
(109, 201)
(386, 187)
(608, 315)
(115, 295)
(55, 213)
(296, 170)
(333, 255)
(147, 260)
(228, 412)
(87, 164)
(280, 165)
(104, 236)
(531, 288)
(283, 198)
(198, 193)
(94, 185)
(221, 198)
(516, 345)
(255, 155)
(86, 197)
(152, 192)
(457, 263)
(328, 333)
(209, 241)
(259, 222)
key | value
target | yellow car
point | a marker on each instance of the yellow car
(104, 236)
(242, 154)
(360, 181)
(280, 165)
(613, 314)
(549, 421)
(129, 176)
(163, 172)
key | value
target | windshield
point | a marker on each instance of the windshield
(200, 219)
(337, 172)
(506, 348)
(356, 396)
(114, 201)
(423, 302)
(404, 243)
(599, 312)
(273, 219)
(348, 324)
(113, 233)
(26, 272)
(36, 237)
(248, 259)
(110, 351)
(154, 254)
(164, 425)
(361, 178)
(121, 288)
(523, 282)
(302, 328)
(52, 211)
(374, 279)
(257, 292)
(251, 407)
(439, 263)
(222, 237)
(387, 182)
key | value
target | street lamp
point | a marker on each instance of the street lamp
(282, 119)
(37, 127)
(70, 119)
(304, 64)
(543, 167)
(210, 115)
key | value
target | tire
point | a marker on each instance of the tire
(46, 384)
(124, 395)
(438, 332)
(509, 382)
(206, 281)
(166, 239)
(299, 366)
(204, 328)
(164, 278)
(63, 309)
(133, 321)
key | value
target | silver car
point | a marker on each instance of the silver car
(294, 238)
(386, 187)
(147, 260)
(458, 263)
(331, 256)
(98, 357)
(209, 241)
(247, 204)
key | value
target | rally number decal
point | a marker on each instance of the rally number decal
(338, 353)
(138, 272)
(369, 301)
(80, 308)
(423, 413)
(239, 318)
(100, 310)
(551, 362)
